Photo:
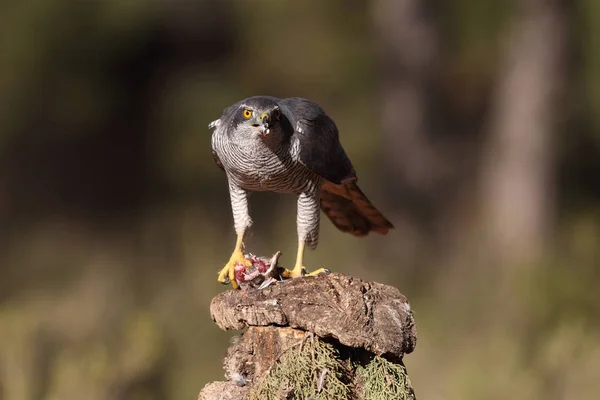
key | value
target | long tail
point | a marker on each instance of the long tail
(351, 211)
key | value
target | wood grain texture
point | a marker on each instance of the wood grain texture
(357, 313)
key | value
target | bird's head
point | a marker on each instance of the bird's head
(261, 118)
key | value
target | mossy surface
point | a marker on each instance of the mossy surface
(382, 379)
(318, 370)
(312, 370)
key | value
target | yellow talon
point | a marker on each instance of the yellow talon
(317, 272)
(227, 274)
(299, 269)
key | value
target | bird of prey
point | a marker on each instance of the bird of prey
(290, 145)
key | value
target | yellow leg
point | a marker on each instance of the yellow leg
(299, 269)
(227, 273)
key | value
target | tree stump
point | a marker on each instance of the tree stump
(331, 336)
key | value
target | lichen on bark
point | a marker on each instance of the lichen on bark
(325, 337)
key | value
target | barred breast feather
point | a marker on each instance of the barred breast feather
(255, 167)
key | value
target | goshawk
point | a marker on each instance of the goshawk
(290, 146)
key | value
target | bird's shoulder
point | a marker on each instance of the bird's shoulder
(302, 108)
(214, 154)
(316, 137)
(309, 121)
(221, 126)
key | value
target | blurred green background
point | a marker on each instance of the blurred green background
(474, 125)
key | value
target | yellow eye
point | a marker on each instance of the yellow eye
(276, 114)
(247, 113)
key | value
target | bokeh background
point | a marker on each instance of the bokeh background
(473, 124)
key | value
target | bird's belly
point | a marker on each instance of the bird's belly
(277, 176)
(267, 179)
(257, 168)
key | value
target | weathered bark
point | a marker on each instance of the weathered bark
(357, 313)
(339, 325)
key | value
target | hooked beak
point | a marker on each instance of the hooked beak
(265, 119)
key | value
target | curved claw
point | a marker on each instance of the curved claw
(316, 272)
(298, 272)
(227, 274)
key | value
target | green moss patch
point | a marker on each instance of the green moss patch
(382, 379)
(308, 371)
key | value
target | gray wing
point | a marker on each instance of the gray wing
(318, 139)
(216, 159)
(219, 125)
